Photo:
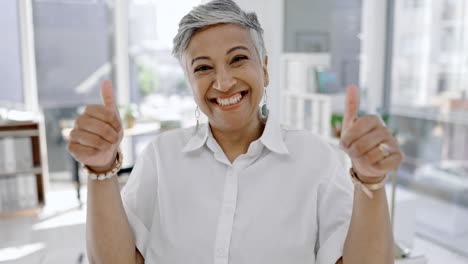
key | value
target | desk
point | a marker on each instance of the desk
(139, 129)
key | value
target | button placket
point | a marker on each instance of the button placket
(226, 218)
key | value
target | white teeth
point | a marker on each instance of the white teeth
(229, 101)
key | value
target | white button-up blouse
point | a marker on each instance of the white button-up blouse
(288, 200)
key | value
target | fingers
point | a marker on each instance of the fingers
(79, 151)
(389, 163)
(361, 141)
(351, 107)
(105, 114)
(97, 133)
(98, 128)
(107, 95)
(369, 141)
(361, 137)
(375, 162)
(89, 140)
(375, 154)
(359, 128)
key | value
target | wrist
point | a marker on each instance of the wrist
(107, 167)
(370, 180)
(97, 172)
(376, 183)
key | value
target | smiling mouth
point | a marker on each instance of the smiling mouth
(223, 102)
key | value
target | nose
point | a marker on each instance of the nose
(224, 80)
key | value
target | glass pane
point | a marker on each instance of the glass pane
(430, 113)
(11, 91)
(73, 50)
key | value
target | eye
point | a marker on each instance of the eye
(239, 58)
(202, 68)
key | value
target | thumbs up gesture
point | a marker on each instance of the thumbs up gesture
(97, 133)
(373, 150)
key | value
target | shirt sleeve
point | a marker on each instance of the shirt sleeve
(139, 196)
(335, 204)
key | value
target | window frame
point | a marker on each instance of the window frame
(28, 56)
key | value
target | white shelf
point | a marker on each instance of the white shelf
(28, 177)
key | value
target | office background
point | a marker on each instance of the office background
(409, 57)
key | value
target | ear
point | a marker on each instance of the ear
(266, 77)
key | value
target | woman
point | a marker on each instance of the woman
(240, 189)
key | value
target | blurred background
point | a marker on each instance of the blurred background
(409, 58)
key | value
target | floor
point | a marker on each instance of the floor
(57, 235)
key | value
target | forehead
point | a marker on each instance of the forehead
(218, 39)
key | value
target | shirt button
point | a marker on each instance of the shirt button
(220, 252)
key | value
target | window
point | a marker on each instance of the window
(430, 113)
(73, 51)
(10, 54)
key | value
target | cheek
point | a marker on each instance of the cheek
(199, 92)
(253, 75)
(196, 95)
(256, 83)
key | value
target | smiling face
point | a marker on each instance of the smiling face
(226, 76)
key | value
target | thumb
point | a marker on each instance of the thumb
(107, 95)
(352, 106)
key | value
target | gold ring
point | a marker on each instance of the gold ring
(384, 149)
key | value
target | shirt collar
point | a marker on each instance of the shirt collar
(198, 138)
(272, 137)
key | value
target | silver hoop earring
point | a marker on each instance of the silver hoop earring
(197, 116)
(264, 110)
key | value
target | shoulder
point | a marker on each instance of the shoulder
(300, 139)
(303, 143)
(174, 139)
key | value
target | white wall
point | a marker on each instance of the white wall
(306, 15)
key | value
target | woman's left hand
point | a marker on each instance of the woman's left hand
(373, 150)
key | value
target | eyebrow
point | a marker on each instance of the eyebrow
(200, 58)
(237, 47)
(229, 51)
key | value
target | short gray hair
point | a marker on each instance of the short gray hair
(213, 13)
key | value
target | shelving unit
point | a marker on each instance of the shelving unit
(302, 106)
(35, 131)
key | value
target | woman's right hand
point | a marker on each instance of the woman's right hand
(95, 139)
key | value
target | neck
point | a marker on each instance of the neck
(237, 142)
